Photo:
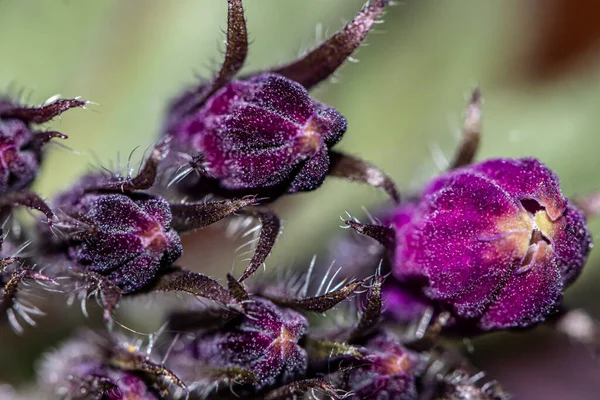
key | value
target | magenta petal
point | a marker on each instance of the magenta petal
(527, 297)
(296, 361)
(262, 315)
(117, 213)
(240, 347)
(222, 101)
(158, 210)
(526, 178)
(252, 126)
(329, 122)
(401, 305)
(266, 168)
(572, 244)
(461, 246)
(107, 251)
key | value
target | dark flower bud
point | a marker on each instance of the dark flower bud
(365, 360)
(20, 145)
(386, 372)
(494, 243)
(90, 367)
(119, 237)
(126, 237)
(252, 343)
(263, 134)
(259, 348)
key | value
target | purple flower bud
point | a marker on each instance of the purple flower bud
(20, 145)
(126, 237)
(118, 238)
(259, 348)
(20, 161)
(263, 132)
(388, 371)
(495, 243)
(90, 368)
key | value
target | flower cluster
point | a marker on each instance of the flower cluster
(485, 246)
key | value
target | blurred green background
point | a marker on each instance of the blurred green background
(403, 99)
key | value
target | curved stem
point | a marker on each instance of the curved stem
(471, 133)
(323, 61)
(354, 169)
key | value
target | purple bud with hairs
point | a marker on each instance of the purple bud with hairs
(495, 243)
(126, 237)
(20, 145)
(259, 347)
(118, 235)
(21, 151)
(387, 371)
(263, 134)
(251, 343)
(92, 367)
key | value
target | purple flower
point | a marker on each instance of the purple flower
(263, 134)
(118, 236)
(20, 145)
(494, 243)
(261, 345)
(253, 343)
(91, 367)
(387, 371)
(126, 237)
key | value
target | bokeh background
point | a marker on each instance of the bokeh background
(536, 62)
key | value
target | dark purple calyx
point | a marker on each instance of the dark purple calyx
(20, 145)
(126, 237)
(387, 371)
(263, 132)
(261, 344)
(88, 367)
